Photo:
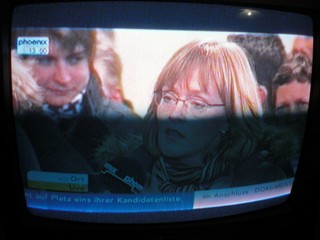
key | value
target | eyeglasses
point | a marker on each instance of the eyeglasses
(191, 104)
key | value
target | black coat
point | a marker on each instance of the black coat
(69, 145)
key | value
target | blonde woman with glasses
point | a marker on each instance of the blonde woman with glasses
(205, 124)
(204, 127)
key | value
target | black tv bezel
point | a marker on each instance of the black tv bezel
(299, 214)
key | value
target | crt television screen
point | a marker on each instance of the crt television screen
(125, 108)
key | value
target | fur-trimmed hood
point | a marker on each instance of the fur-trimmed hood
(116, 146)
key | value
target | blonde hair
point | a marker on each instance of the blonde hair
(225, 65)
(26, 93)
(107, 65)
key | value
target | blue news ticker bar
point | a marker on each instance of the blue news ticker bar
(87, 202)
(125, 203)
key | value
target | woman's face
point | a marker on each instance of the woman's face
(186, 132)
(62, 74)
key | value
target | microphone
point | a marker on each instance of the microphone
(123, 175)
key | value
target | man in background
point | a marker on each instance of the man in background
(266, 53)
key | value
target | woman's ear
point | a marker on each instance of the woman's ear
(263, 93)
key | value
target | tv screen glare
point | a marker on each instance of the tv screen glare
(85, 87)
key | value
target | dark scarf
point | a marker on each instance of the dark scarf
(67, 111)
(181, 178)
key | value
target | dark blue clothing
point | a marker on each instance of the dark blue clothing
(69, 144)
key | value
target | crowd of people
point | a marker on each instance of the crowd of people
(212, 121)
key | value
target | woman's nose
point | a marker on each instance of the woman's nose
(179, 111)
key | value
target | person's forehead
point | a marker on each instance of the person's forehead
(194, 87)
(293, 90)
(57, 46)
